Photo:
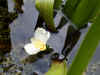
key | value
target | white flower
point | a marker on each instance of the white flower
(42, 35)
(38, 42)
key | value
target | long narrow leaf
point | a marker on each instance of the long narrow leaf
(96, 12)
(86, 49)
(84, 12)
(45, 8)
(70, 7)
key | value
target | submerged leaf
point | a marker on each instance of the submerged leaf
(57, 68)
(86, 49)
(45, 8)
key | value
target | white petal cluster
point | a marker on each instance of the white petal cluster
(30, 49)
(40, 34)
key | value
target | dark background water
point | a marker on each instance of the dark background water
(23, 28)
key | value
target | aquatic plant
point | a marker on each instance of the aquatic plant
(76, 14)
(38, 42)
(79, 13)
(57, 68)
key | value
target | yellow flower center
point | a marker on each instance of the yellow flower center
(39, 44)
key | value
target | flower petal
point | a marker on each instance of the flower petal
(42, 35)
(30, 49)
